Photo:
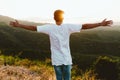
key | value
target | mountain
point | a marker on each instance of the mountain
(102, 40)
(6, 20)
(97, 41)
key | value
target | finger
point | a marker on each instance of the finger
(104, 20)
(11, 23)
(110, 22)
(16, 21)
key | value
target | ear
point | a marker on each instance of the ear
(54, 18)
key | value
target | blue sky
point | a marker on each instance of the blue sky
(73, 8)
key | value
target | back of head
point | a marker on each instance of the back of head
(58, 15)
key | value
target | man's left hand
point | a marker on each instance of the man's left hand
(106, 23)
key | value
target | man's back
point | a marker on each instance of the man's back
(59, 40)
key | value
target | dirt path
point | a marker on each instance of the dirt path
(18, 73)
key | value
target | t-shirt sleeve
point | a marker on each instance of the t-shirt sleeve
(75, 28)
(43, 29)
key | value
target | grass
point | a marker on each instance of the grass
(84, 66)
(41, 70)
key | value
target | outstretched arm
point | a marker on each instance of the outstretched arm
(94, 25)
(16, 24)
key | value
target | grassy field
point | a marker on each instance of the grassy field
(18, 68)
(90, 49)
(14, 68)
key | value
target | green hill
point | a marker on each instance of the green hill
(97, 41)
(86, 46)
(15, 40)
(6, 20)
(93, 41)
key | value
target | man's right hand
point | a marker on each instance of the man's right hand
(28, 27)
(14, 23)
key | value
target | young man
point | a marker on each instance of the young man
(59, 34)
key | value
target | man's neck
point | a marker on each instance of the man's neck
(58, 23)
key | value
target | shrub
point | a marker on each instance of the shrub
(87, 75)
(107, 68)
(9, 60)
(24, 62)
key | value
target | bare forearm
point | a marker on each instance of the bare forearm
(33, 28)
(94, 25)
(89, 26)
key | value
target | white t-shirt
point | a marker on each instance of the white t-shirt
(59, 41)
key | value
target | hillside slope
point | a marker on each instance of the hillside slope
(93, 41)
(99, 40)
(6, 20)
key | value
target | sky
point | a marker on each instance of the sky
(21, 9)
